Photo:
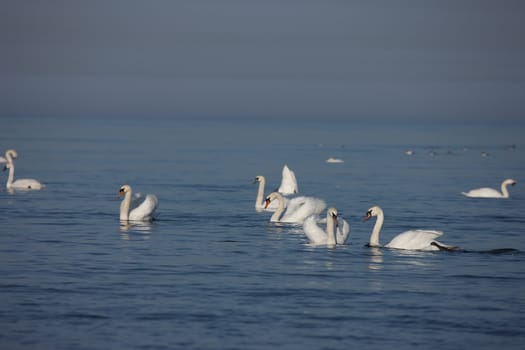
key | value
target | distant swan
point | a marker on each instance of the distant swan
(288, 182)
(487, 192)
(334, 160)
(336, 231)
(138, 209)
(20, 184)
(410, 240)
(297, 209)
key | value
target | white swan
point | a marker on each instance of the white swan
(20, 184)
(297, 209)
(288, 182)
(260, 200)
(138, 209)
(487, 192)
(410, 240)
(336, 231)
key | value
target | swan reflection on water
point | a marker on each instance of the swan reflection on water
(139, 227)
(376, 259)
(278, 228)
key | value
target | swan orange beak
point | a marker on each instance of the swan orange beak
(120, 193)
(367, 216)
(267, 203)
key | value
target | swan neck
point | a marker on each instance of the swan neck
(374, 237)
(330, 231)
(259, 203)
(504, 190)
(280, 209)
(11, 175)
(124, 206)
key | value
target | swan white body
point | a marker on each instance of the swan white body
(138, 208)
(487, 192)
(259, 200)
(410, 240)
(297, 210)
(336, 230)
(20, 184)
(288, 182)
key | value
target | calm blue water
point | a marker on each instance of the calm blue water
(212, 273)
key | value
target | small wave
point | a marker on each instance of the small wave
(497, 251)
(81, 315)
(158, 316)
(498, 278)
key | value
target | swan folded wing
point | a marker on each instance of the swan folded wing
(30, 184)
(342, 232)
(483, 192)
(145, 210)
(314, 233)
(288, 182)
(295, 203)
(298, 211)
(415, 240)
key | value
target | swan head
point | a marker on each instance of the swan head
(373, 211)
(509, 182)
(124, 189)
(258, 179)
(271, 197)
(11, 153)
(332, 213)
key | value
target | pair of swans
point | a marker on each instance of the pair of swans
(133, 209)
(20, 184)
(137, 208)
(486, 192)
(259, 200)
(335, 232)
(288, 186)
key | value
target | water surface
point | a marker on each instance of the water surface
(213, 273)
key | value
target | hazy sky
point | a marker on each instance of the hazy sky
(337, 59)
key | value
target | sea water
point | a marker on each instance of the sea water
(212, 273)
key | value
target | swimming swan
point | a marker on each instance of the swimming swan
(487, 192)
(20, 184)
(297, 209)
(410, 240)
(336, 231)
(259, 200)
(288, 182)
(138, 209)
